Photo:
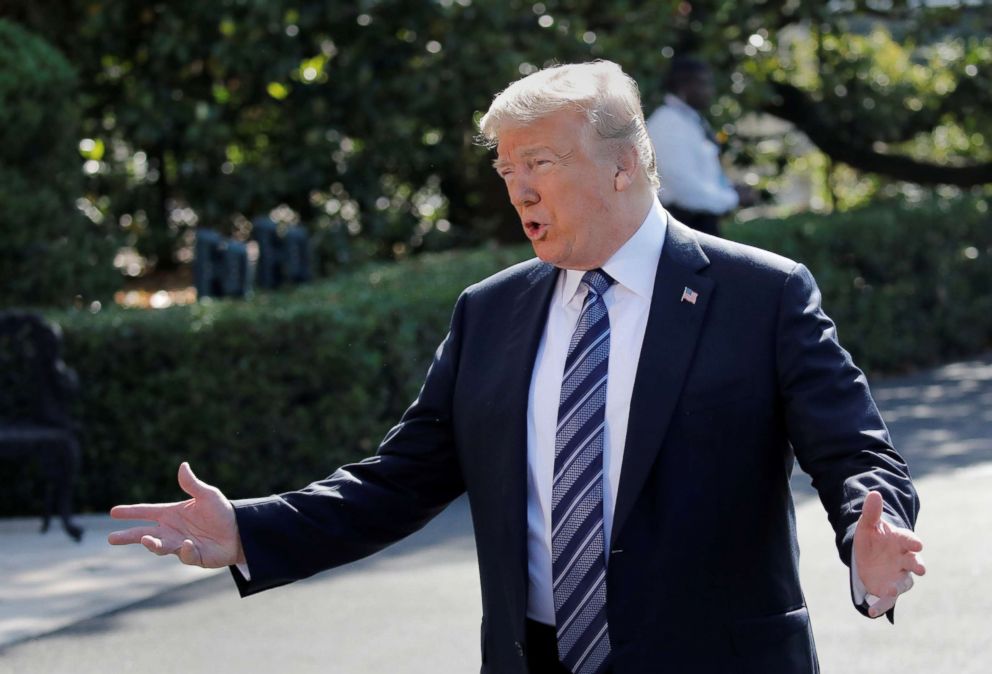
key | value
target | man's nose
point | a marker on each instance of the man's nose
(522, 192)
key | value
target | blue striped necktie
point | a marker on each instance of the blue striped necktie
(577, 545)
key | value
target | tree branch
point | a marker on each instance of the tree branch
(792, 105)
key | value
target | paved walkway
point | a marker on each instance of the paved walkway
(48, 582)
(155, 615)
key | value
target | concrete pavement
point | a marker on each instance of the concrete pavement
(422, 596)
(48, 582)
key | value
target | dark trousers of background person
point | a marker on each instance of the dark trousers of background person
(542, 649)
(701, 221)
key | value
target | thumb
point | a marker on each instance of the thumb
(871, 510)
(190, 483)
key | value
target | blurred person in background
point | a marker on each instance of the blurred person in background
(694, 187)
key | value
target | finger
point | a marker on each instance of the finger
(881, 606)
(155, 545)
(190, 483)
(871, 510)
(893, 588)
(909, 541)
(130, 536)
(889, 591)
(140, 511)
(904, 584)
(189, 554)
(913, 563)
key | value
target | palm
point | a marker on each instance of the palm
(204, 521)
(201, 530)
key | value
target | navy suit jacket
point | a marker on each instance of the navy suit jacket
(703, 561)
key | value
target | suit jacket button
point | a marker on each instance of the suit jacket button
(520, 648)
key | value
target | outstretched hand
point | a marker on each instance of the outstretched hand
(886, 556)
(201, 531)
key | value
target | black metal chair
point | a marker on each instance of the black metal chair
(35, 388)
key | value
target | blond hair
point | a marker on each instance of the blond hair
(601, 90)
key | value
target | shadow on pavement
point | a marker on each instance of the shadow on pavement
(940, 420)
(111, 621)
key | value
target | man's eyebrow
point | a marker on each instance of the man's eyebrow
(527, 154)
(532, 151)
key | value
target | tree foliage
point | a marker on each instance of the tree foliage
(49, 253)
(359, 116)
(908, 98)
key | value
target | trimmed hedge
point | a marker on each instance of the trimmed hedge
(266, 395)
(909, 283)
(259, 396)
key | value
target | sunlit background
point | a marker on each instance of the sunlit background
(129, 131)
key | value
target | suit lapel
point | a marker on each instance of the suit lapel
(669, 344)
(527, 320)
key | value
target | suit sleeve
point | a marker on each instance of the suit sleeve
(362, 507)
(835, 428)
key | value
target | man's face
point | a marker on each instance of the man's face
(561, 183)
(698, 90)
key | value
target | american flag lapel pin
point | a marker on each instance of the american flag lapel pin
(689, 295)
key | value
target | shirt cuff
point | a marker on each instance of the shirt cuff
(243, 570)
(858, 590)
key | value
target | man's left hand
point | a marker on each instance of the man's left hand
(887, 556)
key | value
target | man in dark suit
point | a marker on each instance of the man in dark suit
(623, 412)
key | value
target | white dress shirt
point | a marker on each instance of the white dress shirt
(688, 160)
(628, 303)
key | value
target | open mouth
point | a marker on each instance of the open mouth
(535, 230)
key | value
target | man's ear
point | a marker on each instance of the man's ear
(626, 167)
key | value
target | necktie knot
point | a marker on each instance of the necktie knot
(598, 281)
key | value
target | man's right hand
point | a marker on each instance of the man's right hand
(201, 531)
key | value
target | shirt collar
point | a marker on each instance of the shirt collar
(635, 264)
